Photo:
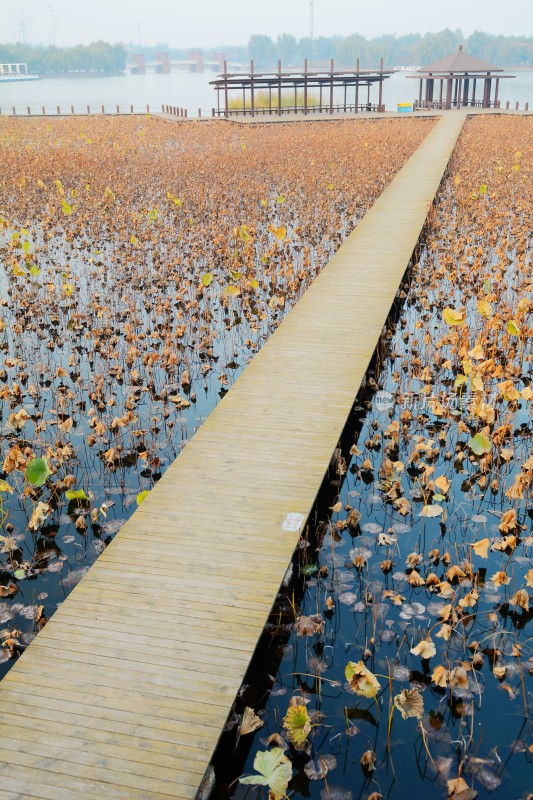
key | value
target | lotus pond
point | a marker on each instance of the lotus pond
(141, 265)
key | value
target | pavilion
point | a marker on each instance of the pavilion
(334, 90)
(458, 76)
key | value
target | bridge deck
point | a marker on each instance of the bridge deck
(126, 690)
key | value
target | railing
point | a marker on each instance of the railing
(443, 105)
(299, 109)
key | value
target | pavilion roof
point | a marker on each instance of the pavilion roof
(460, 62)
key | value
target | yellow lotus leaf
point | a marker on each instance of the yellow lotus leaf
(507, 389)
(362, 681)
(280, 233)
(508, 521)
(425, 649)
(481, 548)
(443, 484)
(456, 787)
(512, 328)
(440, 676)
(477, 353)
(297, 723)
(207, 278)
(231, 291)
(39, 514)
(68, 289)
(5, 487)
(453, 317)
(529, 578)
(485, 309)
(500, 579)
(410, 703)
(66, 208)
(521, 598)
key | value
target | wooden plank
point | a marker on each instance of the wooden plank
(125, 691)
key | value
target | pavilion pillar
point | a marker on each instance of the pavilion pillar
(357, 87)
(368, 96)
(449, 83)
(270, 98)
(380, 99)
(440, 92)
(466, 84)
(486, 93)
(226, 104)
(459, 88)
(332, 67)
(320, 98)
(474, 92)
(345, 90)
(279, 87)
(496, 93)
(305, 87)
(420, 92)
(295, 97)
(252, 100)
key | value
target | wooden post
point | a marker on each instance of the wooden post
(459, 87)
(380, 100)
(295, 97)
(516, 106)
(42, 109)
(131, 109)
(496, 93)
(357, 87)
(88, 109)
(305, 87)
(320, 99)
(103, 110)
(163, 108)
(72, 109)
(58, 110)
(226, 107)
(420, 91)
(279, 87)
(147, 108)
(449, 82)
(252, 101)
(506, 106)
(332, 67)
(199, 112)
(270, 98)
(474, 92)
(15, 111)
(440, 92)
(29, 111)
(345, 90)
(526, 107)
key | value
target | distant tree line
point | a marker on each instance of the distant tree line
(97, 57)
(396, 50)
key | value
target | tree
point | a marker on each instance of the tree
(262, 50)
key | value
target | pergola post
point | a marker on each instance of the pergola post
(474, 92)
(459, 87)
(279, 87)
(226, 104)
(252, 88)
(357, 87)
(332, 67)
(305, 87)
(449, 83)
(496, 93)
(440, 92)
(466, 84)
(420, 92)
(380, 84)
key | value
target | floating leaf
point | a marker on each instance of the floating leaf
(77, 494)
(362, 681)
(250, 721)
(480, 444)
(141, 497)
(453, 317)
(512, 328)
(297, 723)
(66, 207)
(207, 278)
(5, 487)
(425, 649)
(409, 703)
(275, 771)
(37, 471)
(231, 291)
(153, 214)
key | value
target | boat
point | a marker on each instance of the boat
(12, 73)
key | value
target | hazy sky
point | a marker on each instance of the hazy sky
(184, 23)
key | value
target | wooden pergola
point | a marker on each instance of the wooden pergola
(355, 85)
(457, 77)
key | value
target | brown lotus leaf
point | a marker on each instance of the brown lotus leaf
(409, 703)
(308, 626)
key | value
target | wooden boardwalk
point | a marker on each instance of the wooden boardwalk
(126, 690)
